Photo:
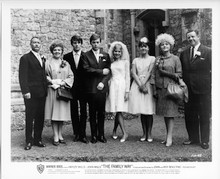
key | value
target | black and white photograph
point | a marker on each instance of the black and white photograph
(110, 89)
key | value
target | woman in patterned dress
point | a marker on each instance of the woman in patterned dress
(58, 73)
(167, 70)
(141, 100)
(119, 85)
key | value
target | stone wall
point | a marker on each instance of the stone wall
(56, 24)
(112, 25)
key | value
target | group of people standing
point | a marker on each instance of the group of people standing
(102, 80)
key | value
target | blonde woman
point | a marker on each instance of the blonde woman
(119, 84)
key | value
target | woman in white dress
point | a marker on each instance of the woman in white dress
(141, 100)
(119, 85)
(58, 73)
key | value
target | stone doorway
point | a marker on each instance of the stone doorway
(153, 23)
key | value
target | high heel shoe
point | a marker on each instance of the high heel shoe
(163, 142)
(150, 140)
(124, 138)
(114, 136)
(62, 141)
(168, 144)
(56, 143)
(142, 139)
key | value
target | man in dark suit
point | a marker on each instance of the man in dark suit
(96, 65)
(196, 64)
(33, 85)
(78, 90)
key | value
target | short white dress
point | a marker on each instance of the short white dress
(140, 103)
(118, 85)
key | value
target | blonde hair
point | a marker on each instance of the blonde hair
(124, 50)
(165, 38)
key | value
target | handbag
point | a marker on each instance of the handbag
(64, 94)
(175, 90)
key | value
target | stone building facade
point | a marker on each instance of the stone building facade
(126, 25)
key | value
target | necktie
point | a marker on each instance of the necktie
(97, 56)
(39, 58)
(192, 53)
(76, 58)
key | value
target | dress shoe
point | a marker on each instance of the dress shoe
(84, 140)
(124, 138)
(62, 141)
(189, 142)
(39, 144)
(93, 140)
(205, 145)
(56, 143)
(76, 138)
(28, 146)
(102, 139)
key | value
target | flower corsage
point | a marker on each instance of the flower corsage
(63, 63)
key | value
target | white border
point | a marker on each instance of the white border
(20, 170)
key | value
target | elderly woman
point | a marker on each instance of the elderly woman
(167, 70)
(119, 85)
(59, 74)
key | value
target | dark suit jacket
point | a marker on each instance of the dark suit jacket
(78, 87)
(32, 76)
(197, 74)
(94, 71)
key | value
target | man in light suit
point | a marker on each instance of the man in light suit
(33, 85)
(78, 90)
(96, 65)
(196, 65)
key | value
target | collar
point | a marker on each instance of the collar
(197, 46)
(35, 53)
(74, 53)
(96, 52)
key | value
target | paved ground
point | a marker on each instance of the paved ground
(130, 151)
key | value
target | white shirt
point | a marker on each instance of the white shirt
(37, 55)
(76, 56)
(195, 49)
(96, 53)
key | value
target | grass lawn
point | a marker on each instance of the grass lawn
(113, 151)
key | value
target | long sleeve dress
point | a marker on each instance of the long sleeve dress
(140, 103)
(119, 83)
(57, 110)
(166, 106)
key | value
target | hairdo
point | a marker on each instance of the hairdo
(56, 44)
(124, 50)
(94, 37)
(76, 38)
(143, 42)
(34, 37)
(189, 31)
(165, 38)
